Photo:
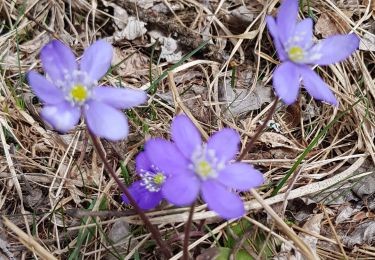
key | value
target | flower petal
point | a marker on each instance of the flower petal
(96, 59)
(316, 86)
(165, 155)
(287, 18)
(286, 82)
(121, 98)
(240, 176)
(225, 143)
(44, 89)
(106, 121)
(225, 203)
(62, 116)
(144, 198)
(57, 60)
(333, 49)
(272, 28)
(142, 162)
(181, 189)
(303, 34)
(185, 135)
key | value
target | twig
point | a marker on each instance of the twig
(288, 231)
(259, 131)
(28, 241)
(81, 213)
(334, 233)
(154, 231)
(187, 231)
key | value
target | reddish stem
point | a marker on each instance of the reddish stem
(154, 231)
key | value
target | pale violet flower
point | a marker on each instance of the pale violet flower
(294, 44)
(71, 89)
(146, 191)
(193, 167)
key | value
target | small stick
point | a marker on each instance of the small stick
(154, 231)
(187, 232)
(259, 131)
(334, 233)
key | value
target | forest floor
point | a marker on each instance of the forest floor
(56, 199)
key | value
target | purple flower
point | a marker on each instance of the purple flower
(147, 191)
(194, 167)
(295, 48)
(71, 90)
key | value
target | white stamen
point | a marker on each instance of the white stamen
(205, 162)
(152, 181)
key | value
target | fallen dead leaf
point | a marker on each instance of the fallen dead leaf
(133, 30)
(169, 46)
(345, 214)
(312, 225)
(367, 42)
(240, 101)
(363, 233)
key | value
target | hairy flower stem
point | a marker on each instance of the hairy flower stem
(154, 231)
(187, 232)
(259, 131)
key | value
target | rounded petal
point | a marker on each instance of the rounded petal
(57, 60)
(240, 176)
(286, 82)
(225, 143)
(121, 98)
(44, 89)
(106, 121)
(145, 199)
(287, 18)
(62, 116)
(185, 135)
(316, 86)
(225, 203)
(142, 162)
(333, 49)
(272, 28)
(96, 59)
(303, 34)
(181, 189)
(165, 155)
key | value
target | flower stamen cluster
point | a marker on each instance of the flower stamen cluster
(205, 163)
(152, 180)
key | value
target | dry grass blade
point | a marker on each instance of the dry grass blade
(29, 241)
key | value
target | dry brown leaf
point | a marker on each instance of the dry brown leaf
(325, 26)
(277, 140)
(330, 23)
(240, 101)
(363, 233)
(312, 225)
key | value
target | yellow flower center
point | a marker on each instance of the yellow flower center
(78, 93)
(159, 178)
(204, 168)
(296, 53)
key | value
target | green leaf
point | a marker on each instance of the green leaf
(225, 252)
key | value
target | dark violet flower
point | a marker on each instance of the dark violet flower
(194, 167)
(71, 90)
(295, 48)
(147, 191)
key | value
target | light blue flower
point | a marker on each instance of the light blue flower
(296, 50)
(71, 90)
